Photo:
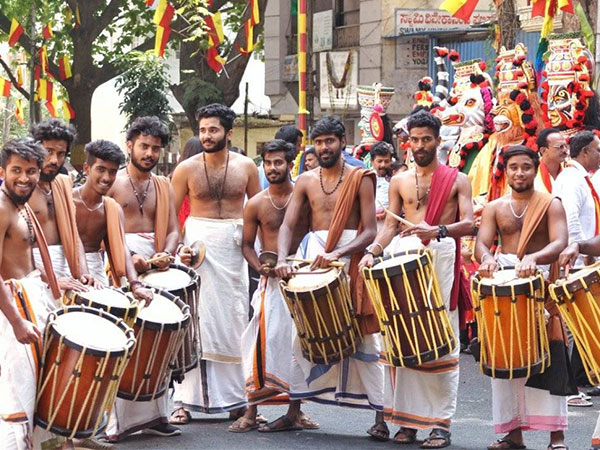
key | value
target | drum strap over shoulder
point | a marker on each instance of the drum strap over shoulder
(62, 193)
(161, 217)
(115, 239)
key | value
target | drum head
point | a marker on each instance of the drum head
(169, 280)
(311, 279)
(109, 297)
(505, 282)
(161, 310)
(395, 265)
(91, 331)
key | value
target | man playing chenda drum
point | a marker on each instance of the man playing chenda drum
(25, 299)
(151, 231)
(340, 202)
(532, 228)
(437, 199)
(266, 342)
(100, 219)
(217, 182)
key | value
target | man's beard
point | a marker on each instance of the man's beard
(425, 160)
(331, 162)
(522, 189)
(17, 199)
(219, 145)
(284, 176)
(49, 177)
(141, 168)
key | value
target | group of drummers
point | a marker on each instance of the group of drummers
(107, 303)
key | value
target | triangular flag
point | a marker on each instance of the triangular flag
(19, 76)
(19, 112)
(461, 9)
(68, 112)
(5, 87)
(214, 60)
(161, 39)
(64, 68)
(15, 33)
(47, 31)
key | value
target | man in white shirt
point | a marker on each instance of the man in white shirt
(554, 151)
(575, 189)
(381, 161)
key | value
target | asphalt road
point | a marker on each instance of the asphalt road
(345, 428)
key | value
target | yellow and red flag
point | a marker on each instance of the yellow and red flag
(5, 86)
(77, 17)
(43, 57)
(540, 7)
(51, 109)
(16, 31)
(19, 112)
(45, 90)
(19, 76)
(149, 2)
(162, 19)
(64, 68)
(47, 31)
(461, 9)
(67, 110)
(249, 28)
(215, 37)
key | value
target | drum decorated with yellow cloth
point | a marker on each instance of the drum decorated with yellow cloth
(413, 319)
(578, 299)
(182, 282)
(159, 330)
(113, 301)
(85, 354)
(320, 303)
(511, 324)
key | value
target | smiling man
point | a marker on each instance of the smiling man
(217, 181)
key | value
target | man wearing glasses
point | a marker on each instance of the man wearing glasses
(554, 152)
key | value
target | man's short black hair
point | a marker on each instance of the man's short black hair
(225, 114)
(328, 125)
(279, 145)
(26, 148)
(54, 129)
(381, 148)
(424, 119)
(310, 151)
(148, 126)
(516, 150)
(578, 142)
(104, 150)
(542, 139)
(289, 133)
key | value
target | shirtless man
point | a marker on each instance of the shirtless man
(52, 203)
(432, 196)
(151, 231)
(217, 181)
(339, 199)
(94, 216)
(524, 211)
(263, 215)
(21, 323)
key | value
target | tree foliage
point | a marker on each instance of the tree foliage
(143, 86)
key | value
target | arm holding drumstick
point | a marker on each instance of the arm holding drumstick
(568, 257)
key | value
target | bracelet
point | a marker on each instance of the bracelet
(487, 254)
(369, 249)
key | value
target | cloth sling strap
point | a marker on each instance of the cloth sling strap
(115, 240)
(538, 207)
(442, 181)
(365, 312)
(66, 223)
(546, 177)
(595, 197)
(44, 252)
(161, 217)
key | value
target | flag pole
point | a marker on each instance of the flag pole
(302, 79)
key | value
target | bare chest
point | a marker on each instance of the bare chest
(42, 204)
(218, 183)
(137, 200)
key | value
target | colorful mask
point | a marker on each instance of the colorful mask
(368, 98)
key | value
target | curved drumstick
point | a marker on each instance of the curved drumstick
(310, 261)
(160, 258)
(408, 223)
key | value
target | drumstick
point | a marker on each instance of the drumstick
(396, 216)
(159, 258)
(567, 270)
(310, 261)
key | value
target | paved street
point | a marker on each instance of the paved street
(345, 428)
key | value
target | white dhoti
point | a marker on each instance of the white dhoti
(266, 345)
(217, 384)
(97, 267)
(356, 381)
(425, 396)
(518, 406)
(18, 367)
(127, 416)
(57, 256)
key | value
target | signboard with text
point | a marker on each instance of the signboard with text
(423, 20)
(322, 31)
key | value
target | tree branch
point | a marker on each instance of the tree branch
(13, 79)
(107, 16)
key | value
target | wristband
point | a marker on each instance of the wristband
(369, 249)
